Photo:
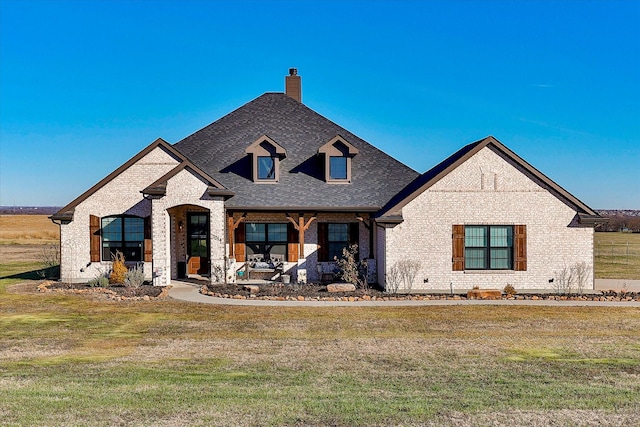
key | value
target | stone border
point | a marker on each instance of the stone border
(607, 296)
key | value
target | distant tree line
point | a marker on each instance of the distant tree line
(620, 221)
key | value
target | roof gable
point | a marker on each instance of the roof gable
(393, 210)
(159, 187)
(66, 213)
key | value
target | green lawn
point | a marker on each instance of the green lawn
(617, 255)
(71, 360)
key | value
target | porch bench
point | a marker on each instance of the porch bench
(257, 268)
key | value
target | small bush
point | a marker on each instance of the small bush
(134, 277)
(99, 282)
(350, 270)
(509, 290)
(119, 270)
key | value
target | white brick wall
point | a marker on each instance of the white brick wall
(184, 189)
(487, 189)
(120, 196)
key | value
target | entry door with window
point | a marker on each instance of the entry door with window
(198, 243)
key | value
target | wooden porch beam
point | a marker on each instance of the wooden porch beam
(231, 228)
(301, 225)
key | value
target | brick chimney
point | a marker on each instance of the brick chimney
(293, 85)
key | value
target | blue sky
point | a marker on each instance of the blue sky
(85, 85)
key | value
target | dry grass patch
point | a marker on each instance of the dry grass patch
(27, 230)
(71, 360)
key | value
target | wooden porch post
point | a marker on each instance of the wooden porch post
(301, 226)
(231, 228)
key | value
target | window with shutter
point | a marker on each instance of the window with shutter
(489, 247)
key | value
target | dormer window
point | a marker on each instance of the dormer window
(266, 168)
(337, 160)
(338, 167)
(265, 160)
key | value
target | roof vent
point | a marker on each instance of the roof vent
(293, 85)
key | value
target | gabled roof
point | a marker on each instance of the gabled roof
(219, 150)
(159, 187)
(66, 213)
(392, 211)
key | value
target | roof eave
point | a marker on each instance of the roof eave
(390, 219)
(592, 219)
(354, 209)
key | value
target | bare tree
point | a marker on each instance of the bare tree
(408, 271)
(50, 261)
(581, 274)
(393, 279)
(564, 280)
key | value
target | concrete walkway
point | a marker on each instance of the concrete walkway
(185, 291)
(618, 285)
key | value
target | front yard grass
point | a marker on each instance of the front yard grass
(70, 360)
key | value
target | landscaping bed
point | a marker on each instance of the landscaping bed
(117, 293)
(317, 292)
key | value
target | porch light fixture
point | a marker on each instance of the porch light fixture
(180, 225)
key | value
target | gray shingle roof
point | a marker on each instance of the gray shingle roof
(219, 150)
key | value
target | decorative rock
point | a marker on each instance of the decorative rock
(341, 287)
(484, 294)
(253, 289)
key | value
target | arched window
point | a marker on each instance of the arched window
(122, 233)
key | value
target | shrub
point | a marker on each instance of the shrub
(100, 281)
(350, 270)
(509, 290)
(119, 270)
(393, 279)
(134, 277)
(408, 270)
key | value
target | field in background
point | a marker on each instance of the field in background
(617, 255)
(22, 241)
(27, 230)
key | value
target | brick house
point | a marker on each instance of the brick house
(273, 188)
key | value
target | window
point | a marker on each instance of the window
(266, 167)
(265, 156)
(338, 155)
(337, 167)
(338, 239)
(334, 237)
(124, 234)
(488, 247)
(266, 239)
(198, 235)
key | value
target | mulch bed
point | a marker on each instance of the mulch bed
(280, 291)
(115, 292)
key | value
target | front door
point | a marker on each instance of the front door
(198, 243)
